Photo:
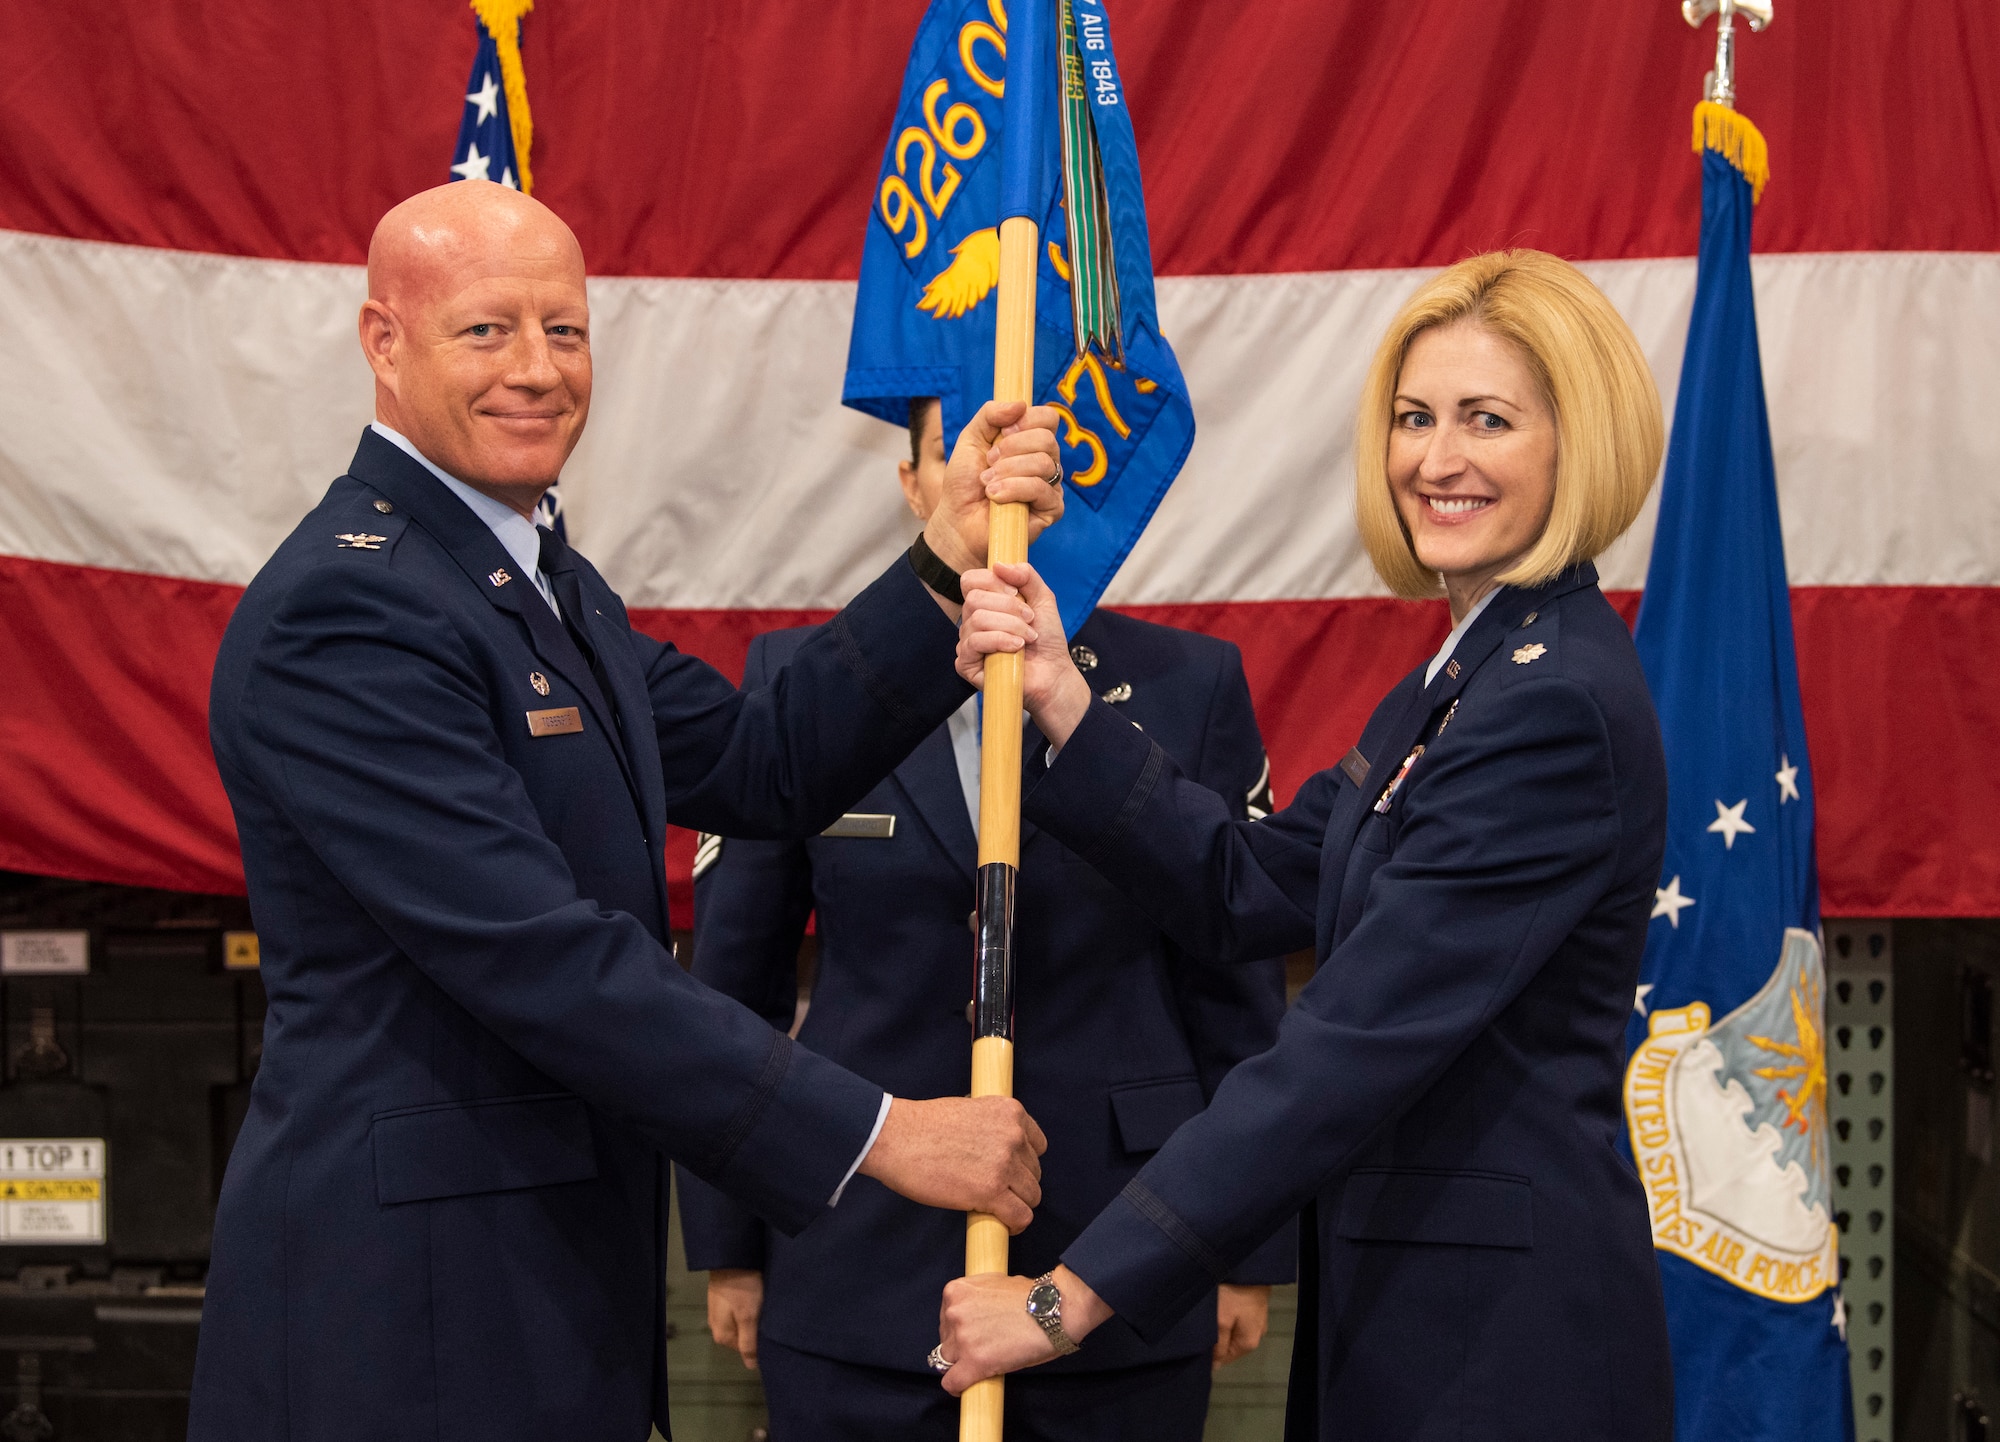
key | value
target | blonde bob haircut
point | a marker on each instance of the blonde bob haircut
(1609, 431)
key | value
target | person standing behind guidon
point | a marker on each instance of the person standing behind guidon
(1476, 877)
(452, 763)
(1122, 1038)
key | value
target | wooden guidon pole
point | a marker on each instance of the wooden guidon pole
(1000, 799)
(1027, 105)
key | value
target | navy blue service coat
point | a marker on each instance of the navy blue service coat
(1121, 1035)
(1444, 1095)
(445, 1215)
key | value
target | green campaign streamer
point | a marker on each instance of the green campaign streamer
(1093, 275)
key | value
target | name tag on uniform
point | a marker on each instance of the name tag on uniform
(558, 722)
(863, 826)
(1356, 767)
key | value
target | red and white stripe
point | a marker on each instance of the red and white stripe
(179, 248)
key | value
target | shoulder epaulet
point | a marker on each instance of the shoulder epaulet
(1531, 647)
(366, 524)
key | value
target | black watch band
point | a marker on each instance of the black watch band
(935, 573)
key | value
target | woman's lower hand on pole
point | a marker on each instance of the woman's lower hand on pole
(1009, 609)
(984, 1329)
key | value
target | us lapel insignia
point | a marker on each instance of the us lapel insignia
(1528, 653)
(1450, 712)
(359, 541)
(499, 577)
(1121, 692)
(1084, 657)
(1452, 668)
(540, 682)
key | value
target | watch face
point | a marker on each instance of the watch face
(1044, 1300)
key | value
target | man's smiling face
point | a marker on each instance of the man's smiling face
(478, 330)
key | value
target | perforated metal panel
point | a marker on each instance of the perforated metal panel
(1860, 1059)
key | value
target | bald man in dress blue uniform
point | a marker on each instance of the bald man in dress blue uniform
(452, 762)
(1122, 1037)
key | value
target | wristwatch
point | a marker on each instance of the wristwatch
(933, 572)
(1045, 1306)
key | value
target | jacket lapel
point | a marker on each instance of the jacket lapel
(1385, 745)
(553, 640)
(628, 684)
(478, 553)
(1385, 741)
(929, 776)
(1509, 609)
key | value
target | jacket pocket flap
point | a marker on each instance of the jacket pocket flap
(1148, 1111)
(462, 1148)
(1468, 1209)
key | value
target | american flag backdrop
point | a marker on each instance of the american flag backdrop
(187, 191)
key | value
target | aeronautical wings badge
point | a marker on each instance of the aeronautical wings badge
(1728, 1126)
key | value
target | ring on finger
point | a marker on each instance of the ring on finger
(937, 1360)
(1056, 480)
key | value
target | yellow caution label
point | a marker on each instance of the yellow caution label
(239, 950)
(51, 1189)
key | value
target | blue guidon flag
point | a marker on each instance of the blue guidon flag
(924, 318)
(1725, 1093)
(496, 133)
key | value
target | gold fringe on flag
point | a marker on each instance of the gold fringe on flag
(1734, 138)
(502, 19)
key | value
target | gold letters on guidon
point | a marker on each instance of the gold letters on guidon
(559, 722)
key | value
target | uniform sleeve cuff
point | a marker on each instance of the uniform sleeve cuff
(1274, 1264)
(866, 1147)
(1096, 782)
(902, 646)
(1149, 1278)
(801, 1141)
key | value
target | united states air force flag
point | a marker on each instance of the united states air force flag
(1725, 1093)
(496, 133)
(924, 318)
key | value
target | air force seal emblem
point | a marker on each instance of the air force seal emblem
(1729, 1129)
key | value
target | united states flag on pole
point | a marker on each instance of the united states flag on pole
(1726, 1090)
(494, 135)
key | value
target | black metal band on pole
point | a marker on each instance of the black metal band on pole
(993, 956)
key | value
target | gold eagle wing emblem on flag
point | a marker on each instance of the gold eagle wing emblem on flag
(969, 279)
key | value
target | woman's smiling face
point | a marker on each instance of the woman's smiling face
(1472, 456)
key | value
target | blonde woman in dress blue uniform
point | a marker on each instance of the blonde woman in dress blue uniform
(1476, 877)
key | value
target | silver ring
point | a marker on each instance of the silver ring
(1056, 480)
(937, 1359)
